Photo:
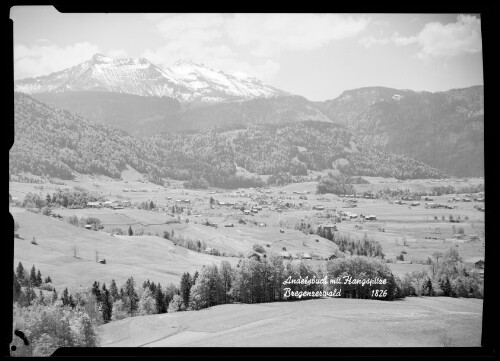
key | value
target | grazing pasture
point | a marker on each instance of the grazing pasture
(330, 322)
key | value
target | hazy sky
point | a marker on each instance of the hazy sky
(314, 55)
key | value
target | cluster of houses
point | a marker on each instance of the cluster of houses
(134, 190)
(400, 202)
(438, 205)
(109, 204)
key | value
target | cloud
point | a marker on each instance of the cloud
(369, 41)
(461, 37)
(271, 34)
(437, 39)
(250, 43)
(36, 60)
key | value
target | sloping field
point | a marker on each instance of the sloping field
(142, 257)
(331, 322)
(242, 238)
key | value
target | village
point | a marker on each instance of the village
(253, 222)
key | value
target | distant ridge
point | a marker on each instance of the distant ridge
(184, 81)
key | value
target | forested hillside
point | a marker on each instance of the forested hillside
(123, 111)
(443, 129)
(145, 116)
(57, 143)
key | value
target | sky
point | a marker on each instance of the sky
(317, 56)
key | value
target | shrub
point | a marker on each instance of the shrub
(46, 287)
(258, 248)
(117, 230)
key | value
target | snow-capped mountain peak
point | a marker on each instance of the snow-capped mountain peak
(185, 80)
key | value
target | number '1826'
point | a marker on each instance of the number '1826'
(379, 293)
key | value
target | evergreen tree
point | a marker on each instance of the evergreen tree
(185, 288)
(47, 199)
(160, 301)
(107, 304)
(130, 232)
(96, 291)
(54, 296)
(428, 290)
(151, 205)
(152, 287)
(48, 279)
(226, 275)
(445, 286)
(65, 297)
(113, 291)
(39, 279)
(196, 274)
(20, 273)
(72, 302)
(131, 298)
(33, 276)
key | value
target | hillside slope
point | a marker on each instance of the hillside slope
(442, 129)
(145, 115)
(142, 257)
(332, 322)
(56, 143)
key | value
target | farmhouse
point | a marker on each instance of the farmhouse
(330, 226)
(319, 207)
(286, 255)
(94, 204)
(371, 218)
(306, 256)
(88, 226)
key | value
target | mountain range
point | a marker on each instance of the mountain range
(444, 130)
(184, 81)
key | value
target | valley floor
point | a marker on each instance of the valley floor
(330, 322)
